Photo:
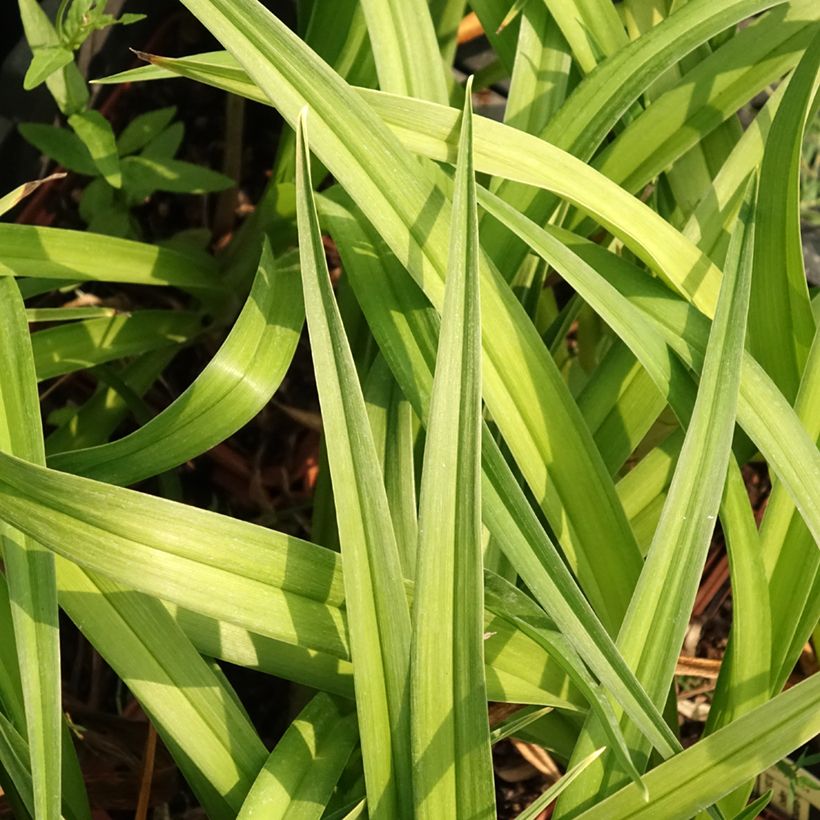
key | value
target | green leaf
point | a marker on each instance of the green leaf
(452, 771)
(379, 622)
(542, 801)
(755, 808)
(519, 720)
(45, 61)
(77, 345)
(67, 85)
(234, 386)
(63, 146)
(165, 145)
(299, 776)
(658, 615)
(95, 132)
(146, 174)
(68, 314)
(545, 433)
(716, 765)
(405, 48)
(209, 736)
(681, 117)
(393, 424)
(781, 325)
(243, 606)
(12, 198)
(30, 567)
(55, 253)
(540, 76)
(503, 596)
(789, 548)
(75, 799)
(98, 200)
(14, 753)
(405, 329)
(144, 128)
(96, 420)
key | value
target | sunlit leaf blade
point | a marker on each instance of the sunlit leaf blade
(781, 325)
(73, 346)
(74, 796)
(599, 102)
(789, 550)
(533, 408)
(211, 739)
(655, 624)
(452, 772)
(542, 801)
(151, 654)
(95, 131)
(430, 130)
(735, 72)
(517, 722)
(232, 389)
(271, 601)
(755, 808)
(11, 199)
(394, 432)
(533, 622)
(406, 331)
(76, 256)
(299, 776)
(405, 48)
(714, 766)
(379, 620)
(29, 566)
(46, 61)
(540, 75)
(68, 314)
(762, 410)
(743, 682)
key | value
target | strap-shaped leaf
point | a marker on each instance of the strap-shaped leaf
(74, 798)
(394, 432)
(214, 743)
(379, 620)
(678, 119)
(405, 48)
(533, 622)
(716, 765)
(298, 778)
(70, 347)
(781, 325)
(452, 774)
(655, 624)
(762, 410)
(77, 256)
(9, 200)
(789, 548)
(539, 420)
(30, 567)
(405, 329)
(232, 389)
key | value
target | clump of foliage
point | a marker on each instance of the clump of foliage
(504, 517)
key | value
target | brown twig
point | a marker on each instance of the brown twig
(147, 774)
